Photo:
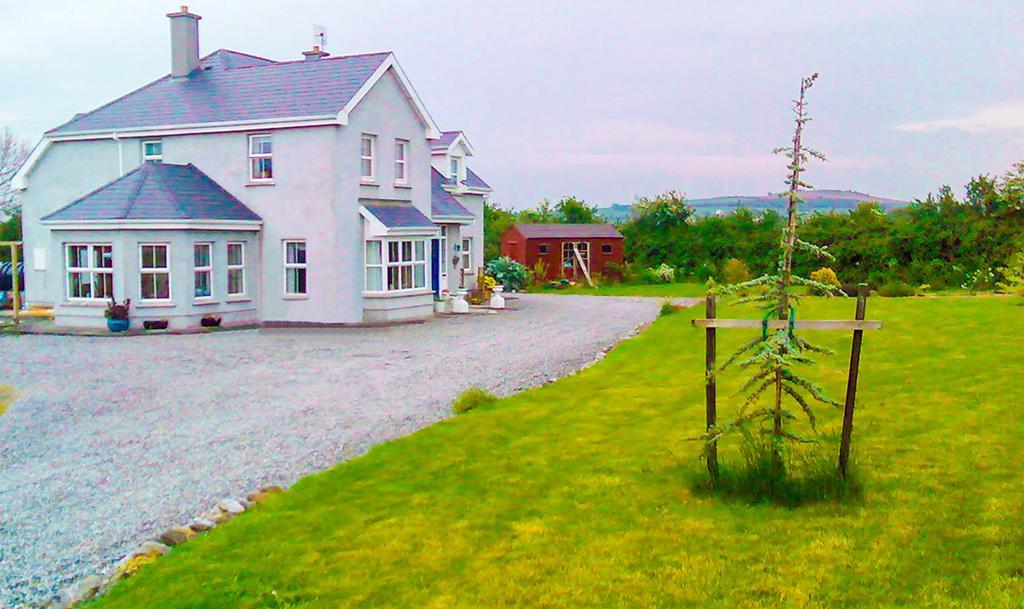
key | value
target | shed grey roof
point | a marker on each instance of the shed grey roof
(442, 203)
(397, 214)
(232, 86)
(568, 231)
(158, 191)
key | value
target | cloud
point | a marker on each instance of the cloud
(1004, 117)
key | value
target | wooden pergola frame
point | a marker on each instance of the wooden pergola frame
(15, 280)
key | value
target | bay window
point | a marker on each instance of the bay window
(154, 272)
(295, 268)
(236, 268)
(395, 265)
(90, 272)
(202, 264)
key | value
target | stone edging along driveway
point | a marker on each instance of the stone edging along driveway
(112, 442)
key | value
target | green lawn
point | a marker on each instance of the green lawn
(579, 494)
(662, 290)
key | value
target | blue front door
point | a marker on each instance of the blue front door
(435, 265)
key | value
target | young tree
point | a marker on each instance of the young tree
(496, 221)
(775, 355)
(13, 152)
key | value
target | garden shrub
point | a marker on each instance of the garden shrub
(826, 276)
(614, 271)
(538, 275)
(471, 399)
(667, 308)
(896, 289)
(664, 273)
(736, 271)
(508, 272)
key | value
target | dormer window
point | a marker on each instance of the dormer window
(152, 150)
(261, 161)
(456, 169)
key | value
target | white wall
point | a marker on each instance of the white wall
(315, 196)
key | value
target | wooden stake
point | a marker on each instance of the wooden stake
(851, 382)
(710, 386)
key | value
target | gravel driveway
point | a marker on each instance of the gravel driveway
(113, 440)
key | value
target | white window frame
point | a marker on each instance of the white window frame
(372, 158)
(206, 270)
(254, 156)
(234, 267)
(91, 269)
(378, 267)
(165, 270)
(402, 163)
(152, 157)
(455, 168)
(466, 252)
(387, 263)
(296, 266)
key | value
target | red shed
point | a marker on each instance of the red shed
(557, 245)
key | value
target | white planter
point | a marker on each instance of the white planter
(440, 306)
(459, 302)
(497, 300)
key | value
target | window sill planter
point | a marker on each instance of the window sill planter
(209, 321)
(118, 325)
(155, 324)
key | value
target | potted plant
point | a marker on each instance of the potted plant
(440, 304)
(117, 315)
(156, 324)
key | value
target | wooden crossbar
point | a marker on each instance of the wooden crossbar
(800, 324)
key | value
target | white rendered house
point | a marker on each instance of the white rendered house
(259, 191)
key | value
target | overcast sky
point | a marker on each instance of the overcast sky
(603, 100)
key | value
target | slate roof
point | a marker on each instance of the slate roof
(474, 181)
(568, 231)
(158, 191)
(442, 203)
(397, 214)
(447, 137)
(232, 86)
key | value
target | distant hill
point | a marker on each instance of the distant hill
(814, 201)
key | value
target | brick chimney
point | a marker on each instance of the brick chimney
(184, 42)
(316, 54)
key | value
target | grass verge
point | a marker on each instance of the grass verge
(581, 494)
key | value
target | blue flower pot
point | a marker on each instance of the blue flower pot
(118, 325)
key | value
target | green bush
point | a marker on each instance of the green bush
(471, 399)
(508, 273)
(896, 289)
(667, 308)
(736, 271)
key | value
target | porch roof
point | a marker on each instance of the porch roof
(397, 214)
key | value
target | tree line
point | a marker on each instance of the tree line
(940, 240)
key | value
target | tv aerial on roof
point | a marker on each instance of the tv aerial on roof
(320, 36)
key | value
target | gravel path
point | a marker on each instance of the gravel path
(112, 441)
